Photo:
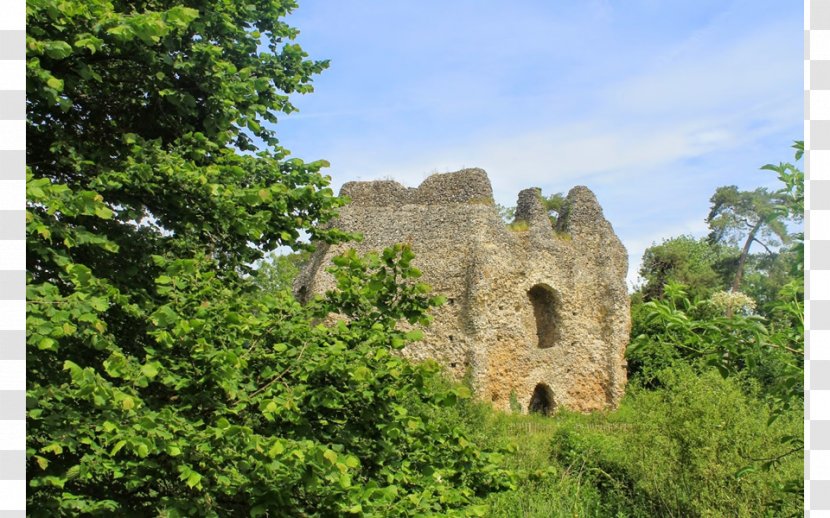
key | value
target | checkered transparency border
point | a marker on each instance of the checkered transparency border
(12, 258)
(817, 257)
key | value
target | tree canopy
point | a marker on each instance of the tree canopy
(161, 380)
(695, 263)
(746, 217)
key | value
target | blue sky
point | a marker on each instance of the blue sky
(652, 104)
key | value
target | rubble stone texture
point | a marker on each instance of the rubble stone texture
(533, 313)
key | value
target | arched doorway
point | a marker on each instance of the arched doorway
(546, 312)
(542, 400)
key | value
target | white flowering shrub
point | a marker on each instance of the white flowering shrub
(733, 302)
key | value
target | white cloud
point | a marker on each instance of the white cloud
(652, 128)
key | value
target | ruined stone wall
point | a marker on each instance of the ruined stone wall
(540, 313)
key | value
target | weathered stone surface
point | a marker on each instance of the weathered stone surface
(540, 313)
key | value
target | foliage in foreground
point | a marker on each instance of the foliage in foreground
(686, 449)
(698, 333)
(160, 380)
(243, 406)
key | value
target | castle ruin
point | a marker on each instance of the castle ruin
(534, 313)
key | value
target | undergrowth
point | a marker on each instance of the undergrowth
(696, 446)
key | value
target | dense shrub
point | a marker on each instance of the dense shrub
(698, 333)
(687, 449)
(160, 380)
(243, 405)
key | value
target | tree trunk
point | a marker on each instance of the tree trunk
(739, 274)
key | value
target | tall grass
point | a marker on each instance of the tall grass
(696, 446)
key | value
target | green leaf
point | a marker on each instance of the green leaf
(142, 450)
(415, 335)
(47, 343)
(330, 456)
(99, 303)
(193, 479)
(351, 462)
(42, 462)
(118, 446)
(345, 481)
(276, 449)
(73, 472)
(55, 83)
(104, 212)
(181, 16)
(122, 32)
(57, 49)
(52, 448)
(151, 369)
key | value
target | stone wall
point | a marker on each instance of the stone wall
(541, 313)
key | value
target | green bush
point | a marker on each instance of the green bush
(544, 488)
(690, 448)
(679, 331)
(161, 380)
(244, 406)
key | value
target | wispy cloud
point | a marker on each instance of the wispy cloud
(652, 106)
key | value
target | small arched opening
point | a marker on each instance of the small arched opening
(542, 400)
(546, 312)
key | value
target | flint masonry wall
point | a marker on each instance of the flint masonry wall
(541, 313)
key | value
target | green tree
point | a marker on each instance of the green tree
(791, 203)
(554, 205)
(161, 381)
(767, 274)
(745, 217)
(278, 271)
(702, 266)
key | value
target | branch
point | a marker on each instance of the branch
(790, 349)
(778, 457)
(278, 376)
(762, 244)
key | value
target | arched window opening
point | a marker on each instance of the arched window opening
(546, 311)
(542, 400)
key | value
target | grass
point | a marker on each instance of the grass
(523, 226)
(679, 450)
(518, 226)
(546, 488)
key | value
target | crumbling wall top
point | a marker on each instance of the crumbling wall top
(583, 214)
(529, 207)
(466, 186)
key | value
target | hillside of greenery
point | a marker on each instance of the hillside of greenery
(171, 372)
